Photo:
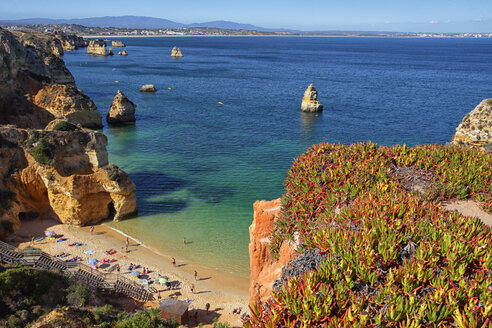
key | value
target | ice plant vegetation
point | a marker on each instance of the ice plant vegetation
(394, 257)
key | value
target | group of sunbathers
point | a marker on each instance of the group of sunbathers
(62, 255)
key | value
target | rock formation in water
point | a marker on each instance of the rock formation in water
(97, 47)
(148, 88)
(176, 52)
(35, 85)
(264, 268)
(49, 165)
(110, 52)
(310, 101)
(117, 44)
(475, 130)
(122, 109)
(70, 41)
(123, 53)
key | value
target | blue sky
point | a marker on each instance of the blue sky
(381, 15)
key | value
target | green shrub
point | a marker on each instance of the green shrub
(42, 153)
(90, 145)
(77, 295)
(113, 172)
(144, 319)
(26, 282)
(393, 257)
(65, 126)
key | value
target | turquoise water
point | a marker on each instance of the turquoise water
(199, 166)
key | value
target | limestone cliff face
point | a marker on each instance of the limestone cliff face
(63, 175)
(476, 128)
(35, 85)
(310, 101)
(264, 269)
(70, 42)
(97, 47)
(176, 52)
(122, 109)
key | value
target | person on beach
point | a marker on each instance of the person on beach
(207, 307)
(184, 240)
(174, 261)
(92, 230)
(126, 244)
(196, 275)
(192, 288)
(32, 241)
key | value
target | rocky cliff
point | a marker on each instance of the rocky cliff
(36, 87)
(475, 130)
(50, 166)
(264, 268)
(310, 101)
(97, 47)
(61, 174)
(70, 41)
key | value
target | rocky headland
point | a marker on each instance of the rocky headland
(36, 87)
(97, 47)
(176, 53)
(71, 42)
(122, 109)
(51, 166)
(310, 101)
(475, 130)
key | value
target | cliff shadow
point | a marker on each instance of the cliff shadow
(152, 186)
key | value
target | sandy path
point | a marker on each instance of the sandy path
(223, 291)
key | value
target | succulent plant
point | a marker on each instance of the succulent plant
(394, 257)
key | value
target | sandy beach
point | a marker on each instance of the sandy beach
(225, 292)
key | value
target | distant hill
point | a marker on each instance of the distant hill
(134, 22)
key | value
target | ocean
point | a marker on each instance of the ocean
(199, 165)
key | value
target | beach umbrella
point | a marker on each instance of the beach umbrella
(89, 252)
(135, 273)
(49, 233)
(162, 281)
(92, 262)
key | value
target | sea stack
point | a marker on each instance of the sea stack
(117, 44)
(97, 47)
(148, 88)
(176, 53)
(110, 52)
(475, 130)
(123, 53)
(310, 101)
(122, 110)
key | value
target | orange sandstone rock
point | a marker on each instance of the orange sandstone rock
(264, 269)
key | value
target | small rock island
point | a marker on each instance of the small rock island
(310, 101)
(117, 44)
(148, 88)
(176, 53)
(122, 110)
(97, 47)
